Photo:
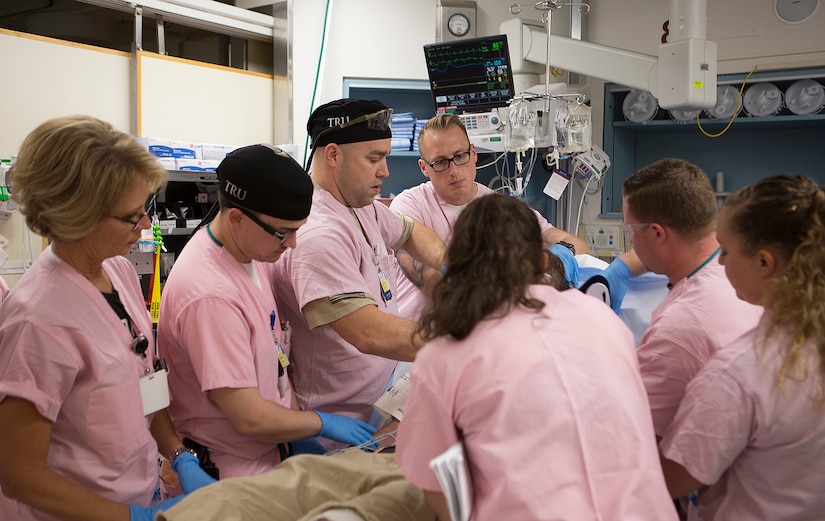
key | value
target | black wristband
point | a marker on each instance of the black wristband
(568, 245)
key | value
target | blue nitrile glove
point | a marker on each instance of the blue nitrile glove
(306, 446)
(345, 429)
(139, 513)
(571, 267)
(617, 275)
(190, 474)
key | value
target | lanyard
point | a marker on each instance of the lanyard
(712, 255)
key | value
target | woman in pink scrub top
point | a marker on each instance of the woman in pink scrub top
(80, 400)
(541, 386)
(752, 423)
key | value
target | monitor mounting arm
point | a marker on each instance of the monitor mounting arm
(682, 76)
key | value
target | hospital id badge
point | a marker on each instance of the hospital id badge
(154, 390)
(282, 358)
(386, 292)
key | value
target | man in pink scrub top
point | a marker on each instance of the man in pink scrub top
(670, 216)
(224, 338)
(338, 286)
(670, 219)
(448, 160)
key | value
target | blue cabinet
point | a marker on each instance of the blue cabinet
(752, 148)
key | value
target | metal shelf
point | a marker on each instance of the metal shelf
(713, 125)
(752, 148)
(189, 176)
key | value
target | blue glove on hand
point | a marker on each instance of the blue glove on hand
(139, 513)
(190, 474)
(617, 275)
(571, 267)
(306, 446)
(345, 429)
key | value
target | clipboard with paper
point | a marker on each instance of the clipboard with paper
(453, 475)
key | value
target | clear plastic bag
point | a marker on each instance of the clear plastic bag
(520, 133)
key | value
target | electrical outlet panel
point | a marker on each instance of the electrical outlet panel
(604, 240)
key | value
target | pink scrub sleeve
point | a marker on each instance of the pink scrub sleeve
(667, 368)
(23, 377)
(231, 366)
(712, 428)
(430, 424)
(390, 223)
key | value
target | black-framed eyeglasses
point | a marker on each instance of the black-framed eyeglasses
(136, 220)
(282, 237)
(443, 164)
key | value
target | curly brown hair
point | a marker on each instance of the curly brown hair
(787, 213)
(494, 256)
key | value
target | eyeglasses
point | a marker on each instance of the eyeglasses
(458, 160)
(381, 120)
(631, 229)
(282, 237)
(135, 222)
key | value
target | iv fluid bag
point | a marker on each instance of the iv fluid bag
(579, 129)
(520, 133)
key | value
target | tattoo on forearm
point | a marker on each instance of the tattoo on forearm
(415, 273)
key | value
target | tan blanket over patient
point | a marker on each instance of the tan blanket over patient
(303, 486)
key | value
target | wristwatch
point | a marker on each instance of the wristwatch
(180, 450)
(569, 246)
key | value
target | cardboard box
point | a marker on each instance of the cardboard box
(196, 165)
(213, 152)
(182, 149)
(157, 146)
(168, 163)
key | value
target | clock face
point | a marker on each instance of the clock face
(795, 11)
(458, 25)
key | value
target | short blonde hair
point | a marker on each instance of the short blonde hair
(71, 171)
(441, 122)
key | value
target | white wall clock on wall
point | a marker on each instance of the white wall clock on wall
(794, 11)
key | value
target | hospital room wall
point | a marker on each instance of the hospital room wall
(382, 39)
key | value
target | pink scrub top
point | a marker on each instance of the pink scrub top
(423, 204)
(63, 348)
(552, 412)
(214, 330)
(335, 256)
(761, 450)
(700, 315)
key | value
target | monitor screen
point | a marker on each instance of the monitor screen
(471, 75)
